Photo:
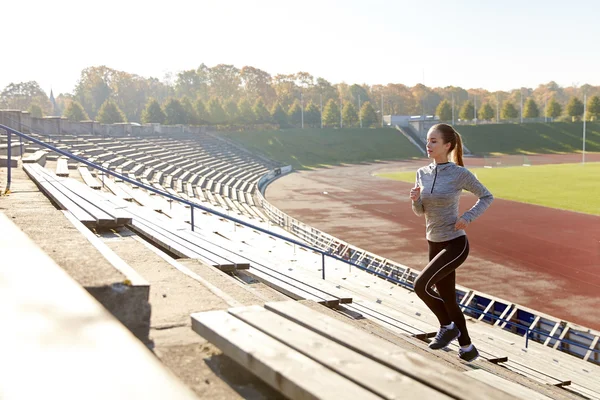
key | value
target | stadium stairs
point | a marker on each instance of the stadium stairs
(223, 181)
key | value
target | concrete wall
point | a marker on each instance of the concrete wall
(11, 118)
(23, 122)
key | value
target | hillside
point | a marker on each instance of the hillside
(557, 137)
(309, 148)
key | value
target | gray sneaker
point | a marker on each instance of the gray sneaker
(444, 337)
(468, 356)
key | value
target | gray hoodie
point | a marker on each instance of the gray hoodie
(441, 187)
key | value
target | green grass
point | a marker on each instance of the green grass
(574, 187)
(556, 137)
(311, 148)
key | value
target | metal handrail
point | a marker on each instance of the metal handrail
(244, 223)
(181, 200)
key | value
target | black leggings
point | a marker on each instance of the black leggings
(444, 258)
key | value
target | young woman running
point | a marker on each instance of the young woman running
(436, 194)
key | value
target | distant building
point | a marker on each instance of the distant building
(420, 123)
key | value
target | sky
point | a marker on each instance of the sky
(495, 45)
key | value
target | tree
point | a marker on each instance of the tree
(554, 109)
(175, 113)
(426, 99)
(261, 112)
(353, 92)
(225, 81)
(129, 91)
(215, 111)
(574, 108)
(312, 115)
(467, 111)
(192, 83)
(35, 111)
(110, 113)
(75, 112)
(399, 100)
(295, 114)
(231, 110)
(245, 112)
(509, 111)
(190, 111)
(593, 108)
(20, 96)
(444, 111)
(349, 114)
(153, 114)
(331, 113)
(279, 116)
(93, 88)
(368, 114)
(257, 83)
(201, 112)
(326, 90)
(531, 109)
(286, 89)
(61, 102)
(486, 112)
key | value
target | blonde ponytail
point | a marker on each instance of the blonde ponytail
(458, 150)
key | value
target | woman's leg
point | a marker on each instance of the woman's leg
(447, 290)
(435, 304)
(444, 259)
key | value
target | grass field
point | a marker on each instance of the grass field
(556, 137)
(574, 187)
(309, 148)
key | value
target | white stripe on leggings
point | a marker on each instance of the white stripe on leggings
(439, 270)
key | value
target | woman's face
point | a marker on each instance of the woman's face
(436, 148)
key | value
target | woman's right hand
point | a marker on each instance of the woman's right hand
(415, 193)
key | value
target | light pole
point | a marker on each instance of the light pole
(584, 111)
(521, 105)
(382, 109)
(497, 109)
(359, 117)
(321, 101)
(452, 108)
(475, 108)
(302, 109)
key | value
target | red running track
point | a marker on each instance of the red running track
(542, 258)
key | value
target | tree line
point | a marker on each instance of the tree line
(573, 111)
(224, 94)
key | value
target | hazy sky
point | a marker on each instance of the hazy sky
(489, 44)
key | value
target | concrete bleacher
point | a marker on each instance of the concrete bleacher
(123, 292)
(71, 195)
(308, 355)
(391, 307)
(401, 311)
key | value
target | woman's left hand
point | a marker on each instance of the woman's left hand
(461, 224)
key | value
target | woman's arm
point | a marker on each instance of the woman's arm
(417, 207)
(415, 196)
(470, 183)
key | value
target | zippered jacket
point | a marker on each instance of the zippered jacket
(441, 187)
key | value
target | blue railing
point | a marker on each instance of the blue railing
(244, 223)
(530, 331)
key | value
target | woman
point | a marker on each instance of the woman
(436, 194)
